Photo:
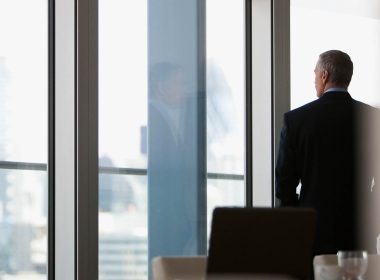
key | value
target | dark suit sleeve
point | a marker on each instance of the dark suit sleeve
(286, 173)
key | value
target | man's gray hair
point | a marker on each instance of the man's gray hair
(339, 66)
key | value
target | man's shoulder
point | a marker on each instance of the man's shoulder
(304, 109)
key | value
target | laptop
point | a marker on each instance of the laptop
(266, 241)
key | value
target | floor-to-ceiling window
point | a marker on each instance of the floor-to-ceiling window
(23, 139)
(171, 131)
(171, 127)
(318, 26)
(225, 93)
(122, 139)
(353, 27)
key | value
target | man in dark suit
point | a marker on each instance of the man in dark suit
(321, 147)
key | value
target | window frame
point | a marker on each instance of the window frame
(73, 122)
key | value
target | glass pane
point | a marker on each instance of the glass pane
(165, 151)
(225, 102)
(225, 86)
(343, 25)
(23, 139)
(123, 244)
(224, 192)
(123, 230)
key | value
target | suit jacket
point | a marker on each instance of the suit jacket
(320, 147)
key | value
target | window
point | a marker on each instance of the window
(23, 139)
(172, 131)
(344, 32)
(171, 127)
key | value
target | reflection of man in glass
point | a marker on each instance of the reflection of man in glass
(167, 101)
(169, 162)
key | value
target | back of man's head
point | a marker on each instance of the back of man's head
(339, 66)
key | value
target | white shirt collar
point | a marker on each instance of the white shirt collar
(336, 89)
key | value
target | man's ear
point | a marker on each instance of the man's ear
(325, 76)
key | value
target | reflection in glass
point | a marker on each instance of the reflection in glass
(174, 195)
(152, 117)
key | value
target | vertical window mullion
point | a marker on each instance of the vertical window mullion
(51, 140)
(261, 103)
(281, 72)
(64, 139)
(87, 140)
(248, 103)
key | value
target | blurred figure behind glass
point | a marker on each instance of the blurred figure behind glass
(172, 163)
